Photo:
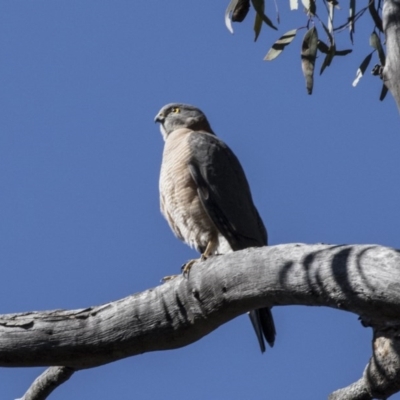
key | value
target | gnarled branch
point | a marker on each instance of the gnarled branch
(363, 279)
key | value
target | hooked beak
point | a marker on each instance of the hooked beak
(159, 118)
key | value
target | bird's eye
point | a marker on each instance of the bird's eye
(176, 110)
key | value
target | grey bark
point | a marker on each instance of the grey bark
(44, 384)
(363, 279)
(391, 27)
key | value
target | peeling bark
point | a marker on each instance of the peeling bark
(363, 279)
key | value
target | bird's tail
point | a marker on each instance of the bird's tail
(264, 326)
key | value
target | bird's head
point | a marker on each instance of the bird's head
(176, 115)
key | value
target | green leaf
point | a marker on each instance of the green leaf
(259, 7)
(324, 48)
(258, 22)
(240, 11)
(362, 68)
(375, 42)
(280, 45)
(375, 16)
(308, 56)
(343, 52)
(328, 58)
(313, 7)
(229, 10)
(383, 92)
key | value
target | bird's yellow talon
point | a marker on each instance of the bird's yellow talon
(187, 267)
(168, 278)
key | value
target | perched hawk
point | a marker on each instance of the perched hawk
(205, 196)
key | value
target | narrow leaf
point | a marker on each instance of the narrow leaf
(362, 68)
(310, 6)
(308, 56)
(229, 10)
(332, 47)
(259, 7)
(352, 21)
(280, 45)
(258, 21)
(330, 35)
(383, 92)
(343, 52)
(241, 10)
(375, 16)
(328, 58)
(375, 42)
(331, 9)
(323, 47)
(313, 7)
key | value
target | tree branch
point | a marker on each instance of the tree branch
(363, 279)
(44, 384)
(391, 27)
(356, 391)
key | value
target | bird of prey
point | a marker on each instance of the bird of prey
(205, 196)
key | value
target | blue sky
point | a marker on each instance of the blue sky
(81, 82)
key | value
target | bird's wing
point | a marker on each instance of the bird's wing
(224, 191)
(225, 195)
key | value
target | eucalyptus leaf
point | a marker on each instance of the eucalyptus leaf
(229, 10)
(258, 22)
(375, 42)
(328, 58)
(310, 6)
(383, 92)
(241, 10)
(323, 47)
(331, 14)
(362, 68)
(259, 7)
(343, 52)
(375, 15)
(280, 45)
(330, 35)
(352, 21)
(308, 56)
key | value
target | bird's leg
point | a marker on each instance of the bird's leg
(207, 252)
(188, 265)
